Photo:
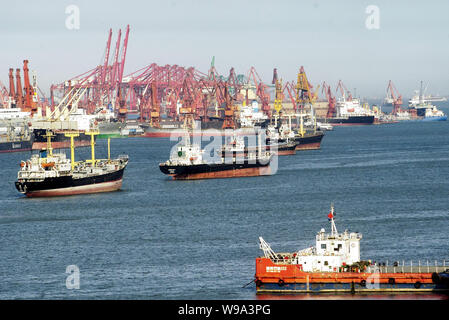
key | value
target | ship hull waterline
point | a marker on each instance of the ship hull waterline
(349, 121)
(289, 278)
(70, 191)
(309, 142)
(214, 172)
(15, 146)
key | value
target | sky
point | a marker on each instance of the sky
(329, 38)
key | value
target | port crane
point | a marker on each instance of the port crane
(345, 93)
(395, 96)
(261, 90)
(24, 97)
(330, 99)
(104, 82)
(304, 96)
(4, 96)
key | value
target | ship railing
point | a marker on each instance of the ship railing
(420, 266)
(283, 258)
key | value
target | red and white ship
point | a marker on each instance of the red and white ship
(334, 266)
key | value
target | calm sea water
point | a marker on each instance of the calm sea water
(163, 239)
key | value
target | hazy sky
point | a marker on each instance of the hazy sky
(329, 38)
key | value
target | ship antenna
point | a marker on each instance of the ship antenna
(331, 216)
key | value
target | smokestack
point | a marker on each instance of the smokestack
(19, 92)
(12, 91)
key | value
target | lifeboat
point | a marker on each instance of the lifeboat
(47, 164)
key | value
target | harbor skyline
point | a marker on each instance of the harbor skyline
(331, 39)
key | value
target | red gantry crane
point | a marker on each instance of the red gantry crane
(395, 96)
(331, 111)
(345, 93)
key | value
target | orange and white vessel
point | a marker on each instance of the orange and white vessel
(333, 265)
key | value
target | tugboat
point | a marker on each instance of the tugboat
(49, 174)
(334, 266)
(189, 163)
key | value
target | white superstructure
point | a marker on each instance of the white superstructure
(251, 116)
(331, 251)
(347, 108)
(13, 113)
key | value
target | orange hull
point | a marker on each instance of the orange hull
(279, 277)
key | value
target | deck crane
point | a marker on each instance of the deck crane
(397, 98)
(330, 99)
(267, 251)
(66, 105)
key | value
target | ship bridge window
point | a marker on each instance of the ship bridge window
(323, 246)
(338, 247)
(326, 263)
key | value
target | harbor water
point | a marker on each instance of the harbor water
(163, 239)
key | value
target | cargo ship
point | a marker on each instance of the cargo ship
(349, 113)
(304, 138)
(309, 140)
(333, 265)
(60, 141)
(75, 119)
(189, 163)
(13, 140)
(49, 174)
(427, 112)
(237, 147)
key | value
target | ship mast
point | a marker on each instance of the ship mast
(72, 135)
(48, 135)
(331, 215)
(92, 145)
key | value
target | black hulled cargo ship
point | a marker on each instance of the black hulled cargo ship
(16, 141)
(349, 120)
(309, 140)
(49, 174)
(15, 146)
(59, 139)
(237, 147)
(188, 164)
